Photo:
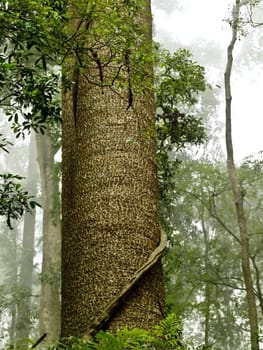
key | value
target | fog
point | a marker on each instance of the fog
(201, 27)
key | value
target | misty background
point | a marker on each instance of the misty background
(201, 27)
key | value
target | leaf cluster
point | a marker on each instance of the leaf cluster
(4, 143)
(179, 80)
(35, 103)
(14, 199)
(29, 38)
(31, 26)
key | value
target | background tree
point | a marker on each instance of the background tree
(25, 282)
(17, 255)
(237, 190)
(49, 313)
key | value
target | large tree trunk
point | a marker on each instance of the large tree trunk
(109, 208)
(50, 279)
(26, 272)
(237, 192)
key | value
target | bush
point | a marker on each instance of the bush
(167, 335)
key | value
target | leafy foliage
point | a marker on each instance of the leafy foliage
(29, 46)
(179, 80)
(29, 95)
(29, 39)
(14, 200)
(167, 335)
(204, 251)
(4, 143)
(34, 102)
(29, 24)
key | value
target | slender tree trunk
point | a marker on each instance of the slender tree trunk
(26, 270)
(14, 285)
(237, 192)
(258, 283)
(109, 204)
(12, 327)
(207, 286)
(50, 278)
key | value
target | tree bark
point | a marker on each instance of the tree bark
(237, 192)
(109, 205)
(26, 270)
(49, 320)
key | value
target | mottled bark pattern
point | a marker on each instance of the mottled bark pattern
(109, 205)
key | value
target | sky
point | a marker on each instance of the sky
(203, 20)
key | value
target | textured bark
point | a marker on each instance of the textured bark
(109, 208)
(49, 320)
(237, 192)
(26, 272)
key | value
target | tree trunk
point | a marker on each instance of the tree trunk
(50, 280)
(207, 285)
(258, 282)
(12, 327)
(14, 285)
(109, 204)
(26, 272)
(237, 192)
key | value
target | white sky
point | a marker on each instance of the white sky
(203, 19)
